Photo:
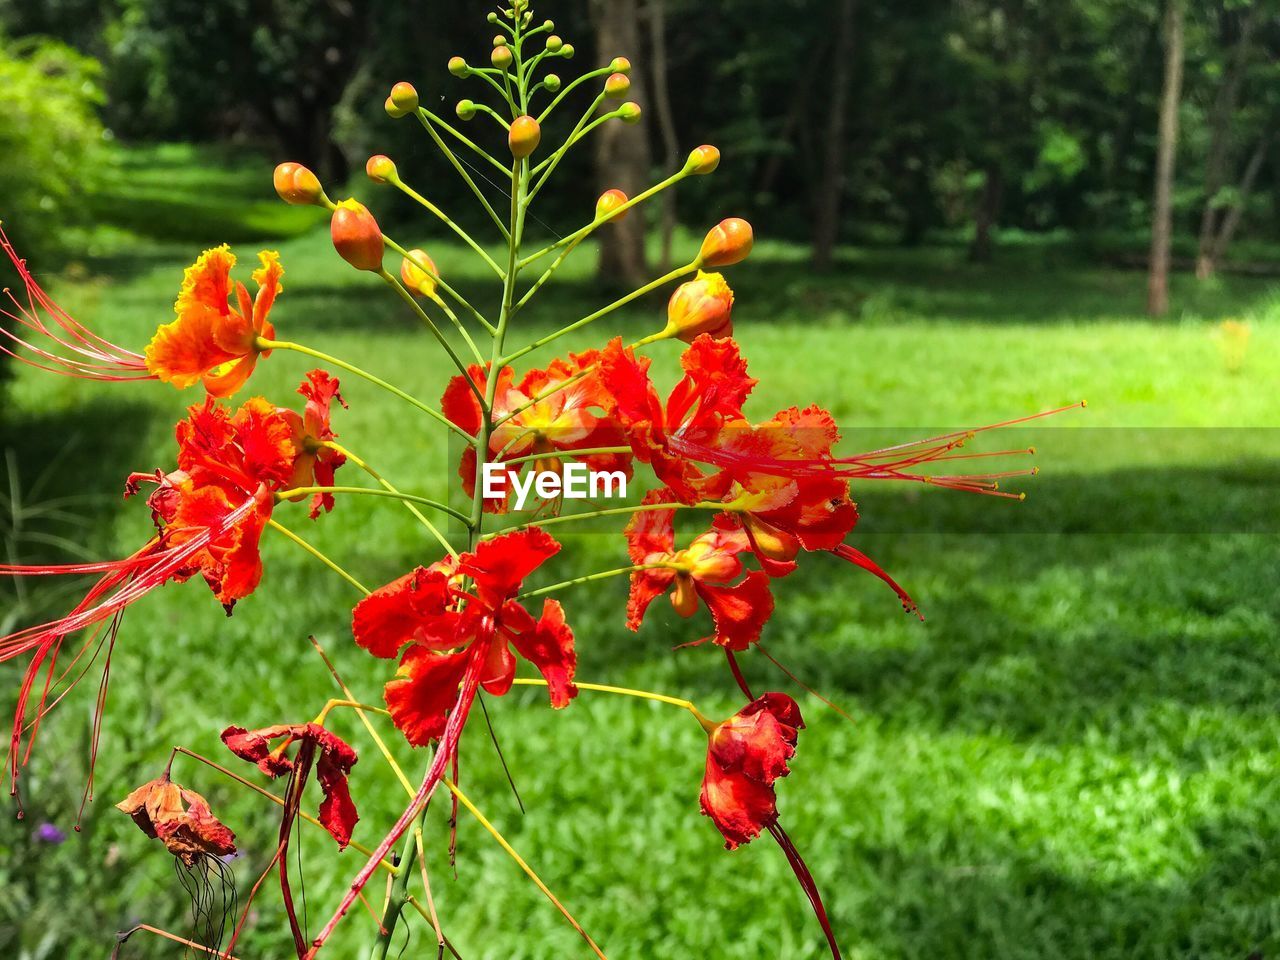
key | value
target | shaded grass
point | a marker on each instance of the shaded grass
(1074, 756)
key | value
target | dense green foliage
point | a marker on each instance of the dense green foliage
(49, 137)
(1074, 756)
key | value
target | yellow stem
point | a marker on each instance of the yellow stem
(707, 724)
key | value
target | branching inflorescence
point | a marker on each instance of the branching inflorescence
(774, 491)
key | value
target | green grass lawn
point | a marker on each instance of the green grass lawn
(1073, 756)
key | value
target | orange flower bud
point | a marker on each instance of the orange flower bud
(356, 235)
(501, 57)
(610, 201)
(629, 112)
(380, 168)
(403, 100)
(554, 43)
(617, 85)
(524, 136)
(703, 305)
(620, 65)
(298, 185)
(419, 273)
(466, 109)
(727, 243)
(703, 160)
(458, 67)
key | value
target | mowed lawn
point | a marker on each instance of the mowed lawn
(1074, 755)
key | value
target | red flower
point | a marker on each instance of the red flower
(711, 394)
(82, 352)
(332, 756)
(315, 463)
(210, 340)
(701, 571)
(180, 819)
(560, 410)
(745, 757)
(209, 515)
(333, 764)
(442, 632)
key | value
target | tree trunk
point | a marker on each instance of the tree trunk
(988, 214)
(1231, 221)
(1216, 163)
(666, 122)
(827, 201)
(622, 150)
(1166, 155)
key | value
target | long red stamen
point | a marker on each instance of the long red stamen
(860, 559)
(90, 357)
(445, 751)
(807, 883)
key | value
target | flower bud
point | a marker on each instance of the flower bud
(524, 136)
(501, 57)
(548, 25)
(499, 40)
(616, 86)
(551, 82)
(492, 18)
(380, 168)
(356, 235)
(620, 65)
(567, 51)
(610, 201)
(703, 305)
(727, 243)
(778, 545)
(466, 109)
(554, 43)
(419, 273)
(403, 100)
(629, 112)
(458, 67)
(298, 185)
(703, 160)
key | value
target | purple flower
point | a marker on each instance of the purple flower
(48, 833)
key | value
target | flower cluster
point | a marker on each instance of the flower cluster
(771, 492)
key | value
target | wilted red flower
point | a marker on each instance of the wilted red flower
(81, 353)
(561, 409)
(333, 758)
(711, 394)
(701, 571)
(315, 462)
(180, 819)
(210, 340)
(442, 632)
(745, 756)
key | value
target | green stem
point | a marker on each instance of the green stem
(461, 138)
(589, 451)
(550, 271)
(386, 485)
(589, 578)
(448, 221)
(570, 87)
(407, 297)
(368, 492)
(457, 325)
(597, 223)
(319, 556)
(457, 297)
(609, 512)
(264, 344)
(462, 172)
(580, 130)
(399, 894)
(602, 312)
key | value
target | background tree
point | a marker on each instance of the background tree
(1167, 147)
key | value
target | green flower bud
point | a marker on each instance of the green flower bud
(551, 82)
(458, 67)
(629, 112)
(466, 109)
(567, 51)
(620, 65)
(554, 43)
(501, 57)
(380, 168)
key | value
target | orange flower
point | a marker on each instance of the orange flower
(180, 818)
(210, 340)
(703, 305)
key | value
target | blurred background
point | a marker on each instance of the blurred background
(966, 210)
